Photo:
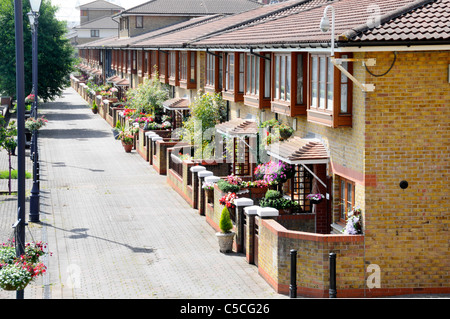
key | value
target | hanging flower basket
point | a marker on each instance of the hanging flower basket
(17, 272)
(315, 198)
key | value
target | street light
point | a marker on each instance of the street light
(20, 98)
(35, 5)
(325, 25)
(33, 16)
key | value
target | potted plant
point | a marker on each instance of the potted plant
(94, 108)
(354, 222)
(209, 190)
(127, 139)
(226, 235)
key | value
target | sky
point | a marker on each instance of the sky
(68, 12)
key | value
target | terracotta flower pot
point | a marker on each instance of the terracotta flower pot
(127, 147)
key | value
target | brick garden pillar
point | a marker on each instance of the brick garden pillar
(201, 192)
(202, 205)
(250, 213)
(241, 203)
(195, 170)
(322, 219)
(147, 144)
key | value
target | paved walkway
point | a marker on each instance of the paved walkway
(115, 227)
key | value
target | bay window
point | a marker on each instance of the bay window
(213, 79)
(233, 82)
(154, 63)
(330, 92)
(257, 80)
(289, 85)
(163, 66)
(187, 69)
(173, 68)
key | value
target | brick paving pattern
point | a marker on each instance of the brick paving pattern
(114, 226)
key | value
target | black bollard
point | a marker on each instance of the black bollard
(293, 285)
(332, 290)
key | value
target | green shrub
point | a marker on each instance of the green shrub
(272, 194)
(5, 174)
(281, 203)
(226, 187)
(225, 223)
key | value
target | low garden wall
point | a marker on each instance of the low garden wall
(275, 242)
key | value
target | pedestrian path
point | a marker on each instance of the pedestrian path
(115, 227)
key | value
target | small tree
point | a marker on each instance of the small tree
(206, 110)
(8, 141)
(225, 223)
(148, 97)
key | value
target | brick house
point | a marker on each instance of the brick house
(96, 21)
(156, 14)
(382, 134)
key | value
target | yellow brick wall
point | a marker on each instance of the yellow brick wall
(408, 138)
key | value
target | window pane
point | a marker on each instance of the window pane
(288, 78)
(267, 77)
(330, 81)
(277, 77)
(322, 84)
(349, 197)
(283, 78)
(248, 75)
(343, 201)
(241, 72)
(220, 75)
(344, 107)
(231, 71)
(256, 75)
(299, 79)
(193, 59)
(314, 93)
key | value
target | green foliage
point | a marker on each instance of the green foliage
(94, 106)
(225, 223)
(277, 131)
(148, 97)
(226, 187)
(273, 194)
(276, 200)
(55, 54)
(206, 111)
(5, 174)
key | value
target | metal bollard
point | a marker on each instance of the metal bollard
(293, 285)
(332, 290)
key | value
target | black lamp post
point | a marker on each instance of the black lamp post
(34, 197)
(20, 97)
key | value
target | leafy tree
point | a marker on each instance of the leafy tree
(55, 54)
(206, 111)
(148, 97)
(8, 135)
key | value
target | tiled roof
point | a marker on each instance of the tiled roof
(192, 7)
(100, 23)
(176, 104)
(238, 126)
(428, 21)
(302, 28)
(117, 42)
(220, 24)
(100, 4)
(296, 150)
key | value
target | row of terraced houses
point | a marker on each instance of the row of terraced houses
(370, 116)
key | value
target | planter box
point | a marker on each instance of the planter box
(159, 161)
